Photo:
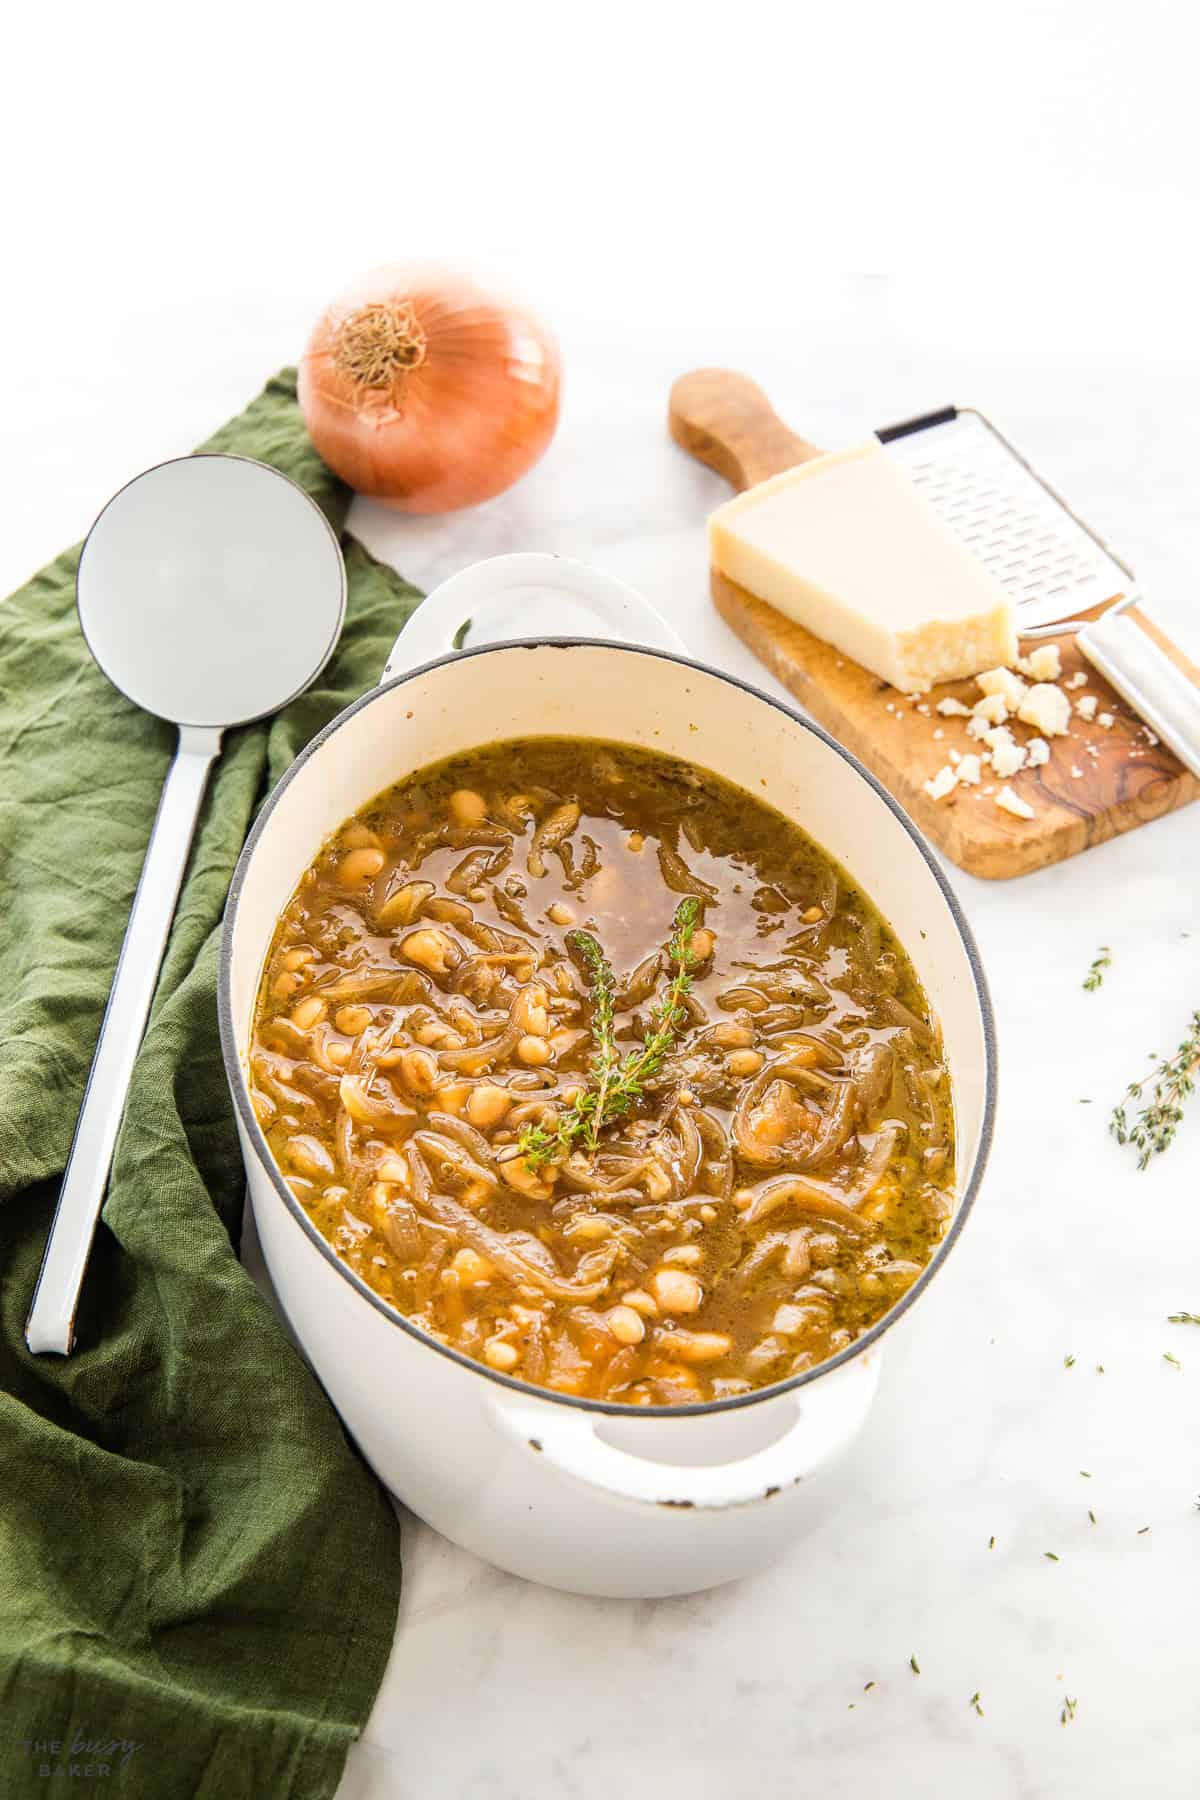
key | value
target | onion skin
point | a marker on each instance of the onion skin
(473, 411)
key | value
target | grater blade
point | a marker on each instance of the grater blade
(1047, 559)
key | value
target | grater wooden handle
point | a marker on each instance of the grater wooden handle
(726, 421)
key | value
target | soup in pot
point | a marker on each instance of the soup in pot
(600, 1071)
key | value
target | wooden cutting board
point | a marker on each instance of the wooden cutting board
(1097, 783)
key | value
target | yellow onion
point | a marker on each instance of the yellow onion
(427, 391)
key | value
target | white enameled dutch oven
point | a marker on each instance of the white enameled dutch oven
(580, 1494)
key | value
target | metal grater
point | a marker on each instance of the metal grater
(1052, 564)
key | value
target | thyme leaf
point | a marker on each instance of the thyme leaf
(1095, 974)
(1183, 1318)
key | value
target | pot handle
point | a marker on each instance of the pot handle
(826, 1419)
(539, 595)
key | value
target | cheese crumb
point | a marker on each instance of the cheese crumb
(1008, 758)
(978, 728)
(938, 735)
(942, 783)
(1042, 664)
(1086, 705)
(1077, 680)
(1010, 687)
(1106, 720)
(969, 771)
(1037, 751)
(955, 758)
(950, 708)
(1013, 803)
(1076, 774)
(1047, 709)
(993, 707)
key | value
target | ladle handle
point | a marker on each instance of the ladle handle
(51, 1322)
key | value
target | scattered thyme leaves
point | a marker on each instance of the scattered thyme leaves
(1050, 1556)
(914, 1665)
(1091, 1515)
(991, 1543)
(1174, 1078)
(974, 1701)
(1068, 1362)
(1068, 1711)
(1173, 1360)
(1095, 974)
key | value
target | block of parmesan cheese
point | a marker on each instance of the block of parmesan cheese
(846, 546)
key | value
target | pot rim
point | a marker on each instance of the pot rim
(622, 1408)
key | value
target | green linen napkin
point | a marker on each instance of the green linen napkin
(199, 1578)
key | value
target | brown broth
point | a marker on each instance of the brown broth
(774, 1186)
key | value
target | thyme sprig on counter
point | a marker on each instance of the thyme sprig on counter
(617, 1081)
(1174, 1078)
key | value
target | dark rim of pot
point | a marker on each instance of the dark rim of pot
(250, 1124)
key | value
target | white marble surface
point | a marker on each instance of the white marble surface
(690, 185)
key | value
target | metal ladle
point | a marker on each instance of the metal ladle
(211, 591)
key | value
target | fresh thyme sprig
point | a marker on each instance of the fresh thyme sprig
(603, 985)
(1095, 974)
(617, 1081)
(1174, 1079)
(1183, 1318)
